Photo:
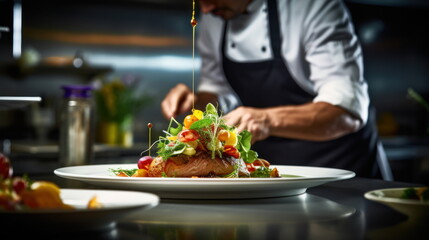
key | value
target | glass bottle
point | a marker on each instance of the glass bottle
(77, 126)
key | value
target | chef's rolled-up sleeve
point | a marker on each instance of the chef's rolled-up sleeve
(335, 60)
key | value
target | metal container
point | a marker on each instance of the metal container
(77, 126)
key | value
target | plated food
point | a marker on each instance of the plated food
(417, 193)
(202, 146)
(294, 180)
(411, 201)
(21, 193)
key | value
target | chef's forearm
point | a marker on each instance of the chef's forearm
(314, 121)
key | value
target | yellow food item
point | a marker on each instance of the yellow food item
(172, 138)
(140, 173)
(232, 140)
(94, 203)
(43, 195)
(197, 113)
(223, 135)
(189, 151)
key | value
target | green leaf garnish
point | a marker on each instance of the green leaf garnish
(243, 146)
(128, 172)
(174, 131)
(168, 149)
(245, 140)
(249, 156)
(211, 109)
(261, 172)
(203, 123)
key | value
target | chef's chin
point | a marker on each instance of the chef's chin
(225, 13)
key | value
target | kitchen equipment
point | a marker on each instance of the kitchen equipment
(77, 126)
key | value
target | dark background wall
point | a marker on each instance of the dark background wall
(149, 41)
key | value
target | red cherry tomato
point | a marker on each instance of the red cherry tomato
(188, 135)
(250, 167)
(6, 170)
(231, 151)
(144, 162)
(19, 185)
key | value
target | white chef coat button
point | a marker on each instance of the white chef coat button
(263, 49)
(233, 45)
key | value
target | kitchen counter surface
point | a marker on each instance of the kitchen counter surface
(336, 210)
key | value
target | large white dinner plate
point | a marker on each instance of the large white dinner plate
(208, 188)
(115, 205)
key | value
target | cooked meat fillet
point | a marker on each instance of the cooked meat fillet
(200, 165)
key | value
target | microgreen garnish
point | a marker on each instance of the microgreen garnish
(207, 124)
(174, 131)
(128, 172)
(261, 172)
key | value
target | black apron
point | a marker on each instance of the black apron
(268, 84)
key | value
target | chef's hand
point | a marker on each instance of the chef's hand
(178, 101)
(253, 120)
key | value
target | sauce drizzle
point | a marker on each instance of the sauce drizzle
(193, 24)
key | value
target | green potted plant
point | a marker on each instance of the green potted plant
(117, 102)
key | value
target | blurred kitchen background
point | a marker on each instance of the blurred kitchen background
(46, 44)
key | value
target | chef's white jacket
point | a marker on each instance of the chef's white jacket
(319, 47)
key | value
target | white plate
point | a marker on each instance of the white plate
(392, 198)
(116, 204)
(415, 226)
(208, 188)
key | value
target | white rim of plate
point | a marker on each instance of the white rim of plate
(376, 195)
(341, 174)
(150, 200)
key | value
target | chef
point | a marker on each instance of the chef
(290, 72)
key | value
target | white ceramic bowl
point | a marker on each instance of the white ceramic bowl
(392, 197)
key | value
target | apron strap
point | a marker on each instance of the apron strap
(275, 38)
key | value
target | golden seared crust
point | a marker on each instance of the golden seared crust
(156, 168)
(199, 165)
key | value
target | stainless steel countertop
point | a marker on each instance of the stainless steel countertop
(336, 210)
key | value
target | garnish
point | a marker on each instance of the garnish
(261, 172)
(202, 136)
(168, 149)
(205, 131)
(120, 171)
(149, 126)
(421, 193)
(20, 193)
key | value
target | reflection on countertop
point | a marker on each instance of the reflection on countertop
(304, 216)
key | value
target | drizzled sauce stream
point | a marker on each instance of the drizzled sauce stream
(193, 24)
